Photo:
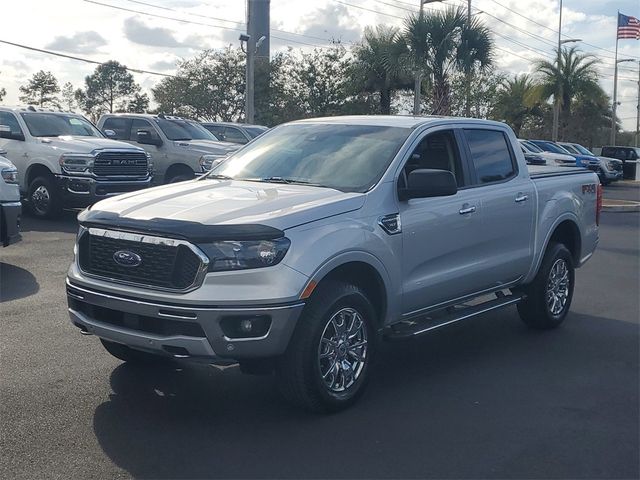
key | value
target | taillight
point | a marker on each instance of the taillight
(599, 204)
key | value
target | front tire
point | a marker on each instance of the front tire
(326, 365)
(44, 199)
(548, 297)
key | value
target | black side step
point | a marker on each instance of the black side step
(413, 328)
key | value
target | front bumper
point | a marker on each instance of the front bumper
(10, 214)
(79, 191)
(190, 332)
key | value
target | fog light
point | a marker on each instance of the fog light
(246, 326)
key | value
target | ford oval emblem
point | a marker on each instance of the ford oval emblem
(127, 258)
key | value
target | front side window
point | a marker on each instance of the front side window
(119, 125)
(255, 131)
(234, 135)
(437, 151)
(490, 155)
(56, 125)
(139, 124)
(350, 158)
(571, 149)
(184, 130)
(9, 119)
(582, 150)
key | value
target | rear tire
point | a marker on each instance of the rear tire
(548, 297)
(326, 365)
(44, 199)
(130, 355)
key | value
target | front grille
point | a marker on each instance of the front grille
(155, 325)
(165, 266)
(617, 166)
(116, 163)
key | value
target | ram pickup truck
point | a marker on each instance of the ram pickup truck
(64, 161)
(322, 237)
(182, 149)
(10, 206)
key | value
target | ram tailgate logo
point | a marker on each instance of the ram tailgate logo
(127, 258)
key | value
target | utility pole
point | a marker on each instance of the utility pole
(614, 116)
(467, 108)
(638, 112)
(256, 45)
(556, 107)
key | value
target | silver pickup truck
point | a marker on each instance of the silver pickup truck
(322, 237)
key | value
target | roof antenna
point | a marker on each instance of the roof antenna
(161, 115)
(31, 108)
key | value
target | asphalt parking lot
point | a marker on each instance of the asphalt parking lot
(485, 399)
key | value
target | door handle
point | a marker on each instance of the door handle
(466, 210)
(522, 198)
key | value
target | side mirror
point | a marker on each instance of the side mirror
(146, 138)
(5, 132)
(423, 183)
(110, 133)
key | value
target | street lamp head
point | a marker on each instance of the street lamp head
(260, 40)
(627, 60)
(244, 38)
(423, 2)
(570, 40)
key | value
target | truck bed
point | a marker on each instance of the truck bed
(543, 171)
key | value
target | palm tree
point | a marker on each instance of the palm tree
(575, 77)
(377, 67)
(442, 43)
(516, 101)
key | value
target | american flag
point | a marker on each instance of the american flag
(628, 27)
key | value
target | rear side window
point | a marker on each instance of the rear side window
(120, 125)
(490, 154)
(234, 135)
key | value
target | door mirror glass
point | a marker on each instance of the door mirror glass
(146, 138)
(5, 132)
(110, 133)
(423, 183)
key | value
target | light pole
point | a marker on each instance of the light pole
(250, 50)
(558, 95)
(615, 98)
(638, 111)
(467, 92)
(417, 85)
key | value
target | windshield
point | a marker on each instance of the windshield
(550, 147)
(255, 131)
(350, 158)
(582, 150)
(571, 149)
(184, 130)
(531, 146)
(42, 124)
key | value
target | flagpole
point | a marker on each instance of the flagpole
(615, 86)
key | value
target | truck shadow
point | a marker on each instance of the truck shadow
(16, 282)
(485, 392)
(67, 222)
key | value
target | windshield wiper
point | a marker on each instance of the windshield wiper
(282, 180)
(218, 176)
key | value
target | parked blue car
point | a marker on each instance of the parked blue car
(581, 160)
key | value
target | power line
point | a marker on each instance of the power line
(191, 22)
(368, 9)
(80, 59)
(224, 20)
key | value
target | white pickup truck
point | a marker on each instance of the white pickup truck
(10, 206)
(321, 237)
(63, 160)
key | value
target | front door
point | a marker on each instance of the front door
(440, 261)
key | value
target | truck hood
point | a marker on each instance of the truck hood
(207, 146)
(228, 202)
(84, 144)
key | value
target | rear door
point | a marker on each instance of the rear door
(505, 239)
(440, 261)
(16, 149)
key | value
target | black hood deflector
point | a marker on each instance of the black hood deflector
(193, 232)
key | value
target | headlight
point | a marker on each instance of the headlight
(10, 175)
(611, 166)
(242, 255)
(207, 162)
(76, 163)
(149, 163)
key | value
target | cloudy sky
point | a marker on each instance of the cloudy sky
(524, 30)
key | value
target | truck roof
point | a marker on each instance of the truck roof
(30, 108)
(146, 115)
(402, 121)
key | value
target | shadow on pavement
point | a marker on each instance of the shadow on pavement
(16, 282)
(488, 399)
(67, 222)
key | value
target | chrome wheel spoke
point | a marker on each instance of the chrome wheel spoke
(557, 293)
